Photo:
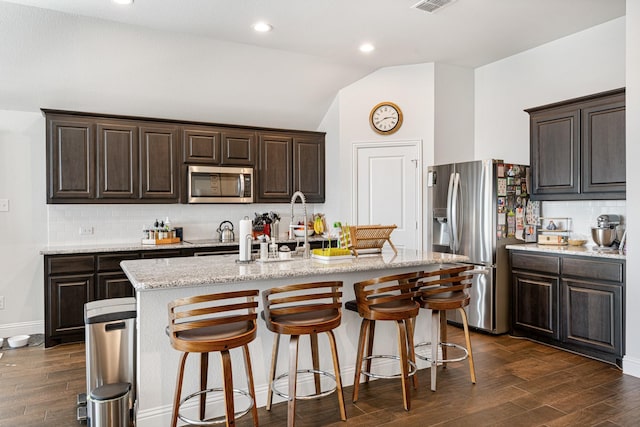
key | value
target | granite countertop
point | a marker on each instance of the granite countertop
(589, 251)
(166, 273)
(137, 246)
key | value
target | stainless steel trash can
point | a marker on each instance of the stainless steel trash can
(110, 340)
(110, 405)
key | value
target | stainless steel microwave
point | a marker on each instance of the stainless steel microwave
(219, 184)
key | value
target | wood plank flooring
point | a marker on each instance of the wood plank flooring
(519, 383)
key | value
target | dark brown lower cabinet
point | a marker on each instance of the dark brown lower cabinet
(114, 285)
(66, 296)
(572, 302)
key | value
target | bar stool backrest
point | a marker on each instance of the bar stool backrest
(444, 282)
(303, 301)
(395, 290)
(213, 312)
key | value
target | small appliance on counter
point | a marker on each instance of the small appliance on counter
(226, 234)
(606, 233)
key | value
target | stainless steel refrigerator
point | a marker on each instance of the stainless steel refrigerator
(476, 209)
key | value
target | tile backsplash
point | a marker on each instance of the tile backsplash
(123, 223)
(584, 213)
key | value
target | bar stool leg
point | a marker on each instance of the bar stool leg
(336, 370)
(293, 380)
(465, 324)
(252, 390)
(272, 372)
(404, 365)
(204, 372)
(412, 349)
(372, 331)
(435, 343)
(228, 387)
(316, 361)
(364, 328)
(176, 399)
(443, 336)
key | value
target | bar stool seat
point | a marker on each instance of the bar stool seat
(439, 291)
(389, 298)
(303, 309)
(214, 323)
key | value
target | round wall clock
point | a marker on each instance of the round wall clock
(385, 118)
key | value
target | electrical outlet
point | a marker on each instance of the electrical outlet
(4, 205)
(86, 230)
(1, 303)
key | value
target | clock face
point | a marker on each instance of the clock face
(386, 118)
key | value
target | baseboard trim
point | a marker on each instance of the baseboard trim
(631, 366)
(24, 328)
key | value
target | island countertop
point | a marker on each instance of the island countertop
(167, 273)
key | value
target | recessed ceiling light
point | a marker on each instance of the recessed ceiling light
(366, 47)
(125, 2)
(262, 27)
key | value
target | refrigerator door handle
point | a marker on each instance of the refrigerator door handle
(450, 217)
(455, 208)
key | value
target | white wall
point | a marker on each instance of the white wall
(631, 362)
(23, 230)
(454, 114)
(586, 62)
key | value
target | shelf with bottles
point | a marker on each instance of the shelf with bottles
(554, 230)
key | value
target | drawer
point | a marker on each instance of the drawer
(543, 263)
(161, 253)
(111, 262)
(70, 264)
(593, 269)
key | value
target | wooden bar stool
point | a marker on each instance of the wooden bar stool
(386, 298)
(303, 309)
(207, 323)
(439, 291)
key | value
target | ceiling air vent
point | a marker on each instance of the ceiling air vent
(432, 6)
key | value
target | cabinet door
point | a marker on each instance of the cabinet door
(66, 296)
(201, 145)
(555, 153)
(239, 148)
(159, 166)
(71, 159)
(592, 315)
(117, 157)
(536, 304)
(309, 167)
(275, 170)
(113, 285)
(603, 147)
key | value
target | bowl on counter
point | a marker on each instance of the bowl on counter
(577, 242)
(18, 341)
(299, 232)
(603, 236)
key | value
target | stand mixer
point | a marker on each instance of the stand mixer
(606, 233)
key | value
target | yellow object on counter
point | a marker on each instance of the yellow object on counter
(332, 252)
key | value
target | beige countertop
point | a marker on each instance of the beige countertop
(149, 274)
(589, 251)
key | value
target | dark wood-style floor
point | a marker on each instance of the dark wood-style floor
(520, 383)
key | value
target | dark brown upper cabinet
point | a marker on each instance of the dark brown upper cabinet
(201, 144)
(117, 157)
(159, 166)
(578, 148)
(291, 162)
(309, 167)
(239, 147)
(71, 160)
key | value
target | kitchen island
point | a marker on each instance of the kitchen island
(159, 281)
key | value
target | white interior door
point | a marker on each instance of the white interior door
(387, 189)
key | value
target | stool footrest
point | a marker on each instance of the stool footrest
(464, 356)
(307, 396)
(219, 419)
(412, 366)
